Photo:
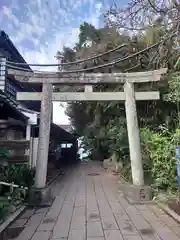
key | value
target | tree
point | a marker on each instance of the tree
(93, 120)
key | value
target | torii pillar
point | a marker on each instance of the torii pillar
(40, 194)
(133, 135)
(44, 135)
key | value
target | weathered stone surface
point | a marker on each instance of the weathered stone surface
(113, 235)
(137, 194)
(91, 208)
(94, 229)
(42, 210)
(126, 226)
(95, 238)
(77, 234)
(31, 227)
(132, 238)
(117, 165)
(41, 236)
(107, 163)
(109, 223)
(47, 224)
(28, 213)
(40, 196)
(19, 223)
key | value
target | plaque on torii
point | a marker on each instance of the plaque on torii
(88, 80)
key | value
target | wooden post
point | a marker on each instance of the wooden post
(44, 132)
(133, 135)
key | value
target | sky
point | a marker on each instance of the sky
(39, 28)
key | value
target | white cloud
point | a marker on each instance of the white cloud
(7, 11)
(48, 25)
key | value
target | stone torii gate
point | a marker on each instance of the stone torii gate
(88, 80)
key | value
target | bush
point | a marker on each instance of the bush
(119, 144)
(21, 175)
(4, 208)
(158, 149)
(158, 155)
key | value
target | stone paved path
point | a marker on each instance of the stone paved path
(91, 208)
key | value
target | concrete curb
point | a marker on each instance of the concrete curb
(11, 218)
(170, 212)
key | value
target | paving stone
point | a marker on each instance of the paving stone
(166, 234)
(126, 226)
(59, 238)
(149, 216)
(80, 200)
(77, 235)
(132, 238)
(19, 223)
(91, 202)
(95, 238)
(117, 208)
(62, 226)
(123, 201)
(153, 236)
(94, 229)
(154, 208)
(142, 207)
(139, 222)
(132, 211)
(109, 222)
(31, 227)
(41, 236)
(93, 216)
(42, 210)
(28, 213)
(113, 235)
(169, 221)
(176, 230)
(56, 206)
(112, 199)
(78, 222)
(79, 211)
(46, 227)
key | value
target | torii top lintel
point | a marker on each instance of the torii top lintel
(86, 78)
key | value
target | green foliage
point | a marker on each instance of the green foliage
(4, 208)
(158, 154)
(88, 32)
(5, 154)
(158, 150)
(9, 196)
(21, 175)
(119, 141)
(126, 172)
(98, 120)
(173, 90)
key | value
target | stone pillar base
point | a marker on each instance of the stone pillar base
(137, 194)
(40, 197)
